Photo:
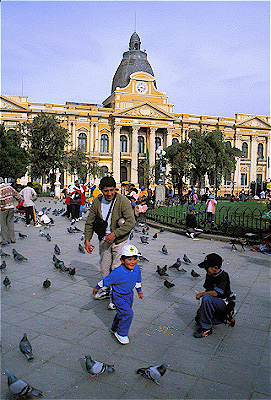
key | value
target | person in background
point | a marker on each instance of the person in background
(29, 196)
(210, 209)
(75, 201)
(7, 193)
(191, 224)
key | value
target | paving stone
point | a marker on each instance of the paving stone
(210, 389)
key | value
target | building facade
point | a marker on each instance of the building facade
(137, 118)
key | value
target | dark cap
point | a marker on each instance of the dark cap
(211, 260)
(191, 208)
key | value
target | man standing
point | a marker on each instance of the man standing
(116, 209)
(7, 211)
(29, 195)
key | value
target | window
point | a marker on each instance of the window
(157, 142)
(141, 144)
(82, 141)
(243, 179)
(244, 150)
(175, 140)
(259, 178)
(260, 151)
(123, 144)
(123, 173)
(104, 171)
(104, 143)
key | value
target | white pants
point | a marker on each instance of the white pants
(110, 256)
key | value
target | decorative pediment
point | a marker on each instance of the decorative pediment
(254, 122)
(8, 104)
(144, 110)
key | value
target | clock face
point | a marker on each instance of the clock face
(141, 87)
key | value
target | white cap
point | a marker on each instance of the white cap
(129, 250)
(40, 213)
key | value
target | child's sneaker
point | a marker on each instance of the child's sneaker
(203, 332)
(122, 339)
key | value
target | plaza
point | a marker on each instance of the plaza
(64, 323)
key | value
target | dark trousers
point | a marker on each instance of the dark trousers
(210, 308)
(30, 214)
(124, 313)
(75, 211)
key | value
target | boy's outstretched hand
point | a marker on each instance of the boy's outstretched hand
(95, 291)
(140, 295)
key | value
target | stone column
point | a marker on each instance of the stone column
(70, 135)
(74, 138)
(57, 184)
(268, 158)
(91, 138)
(116, 153)
(253, 158)
(134, 162)
(169, 143)
(152, 146)
(237, 175)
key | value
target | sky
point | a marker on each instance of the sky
(210, 57)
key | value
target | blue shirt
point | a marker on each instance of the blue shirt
(123, 280)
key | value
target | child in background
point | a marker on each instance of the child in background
(123, 280)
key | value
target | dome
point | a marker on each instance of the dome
(134, 60)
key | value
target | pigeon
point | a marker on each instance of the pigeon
(145, 232)
(57, 250)
(97, 367)
(164, 249)
(162, 271)
(182, 270)
(144, 239)
(177, 264)
(76, 229)
(137, 230)
(19, 387)
(58, 263)
(168, 284)
(194, 274)
(22, 235)
(155, 236)
(162, 230)
(46, 284)
(142, 258)
(131, 236)
(41, 233)
(81, 248)
(186, 259)
(71, 271)
(17, 256)
(7, 282)
(26, 348)
(83, 236)
(3, 265)
(153, 372)
(2, 254)
(48, 237)
(70, 230)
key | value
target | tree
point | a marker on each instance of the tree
(14, 157)
(77, 163)
(178, 156)
(47, 140)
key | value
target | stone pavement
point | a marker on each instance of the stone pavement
(64, 323)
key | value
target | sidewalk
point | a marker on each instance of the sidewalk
(64, 323)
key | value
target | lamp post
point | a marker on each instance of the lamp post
(160, 192)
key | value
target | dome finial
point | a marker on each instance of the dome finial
(134, 42)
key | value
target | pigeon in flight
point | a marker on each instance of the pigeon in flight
(19, 387)
(57, 250)
(2, 254)
(153, 372)
(164, 249)
(41, 233)
(26, 347)
(22, 235)
(46, 284)
(177, 264)
(194, 274)
(162, 271)
(3, 265)
(186, 259)
(96, 367)
(81, 248)
(17, 256)
(7, 283)
(168, 284)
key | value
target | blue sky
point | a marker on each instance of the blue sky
(211, 58)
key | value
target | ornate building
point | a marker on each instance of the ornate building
(136, 118)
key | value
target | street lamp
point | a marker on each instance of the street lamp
(161, 153)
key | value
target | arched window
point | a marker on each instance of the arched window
(141, 175)
(123, 144)
(104, 143)
(244, 150)
(260, 151)
(175, 140)
(141, 144)
(228, 144)
(123, 173)
(158, 142)
(104, 171)
(82, 141)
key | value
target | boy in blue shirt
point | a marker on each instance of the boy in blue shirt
(123, 279)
